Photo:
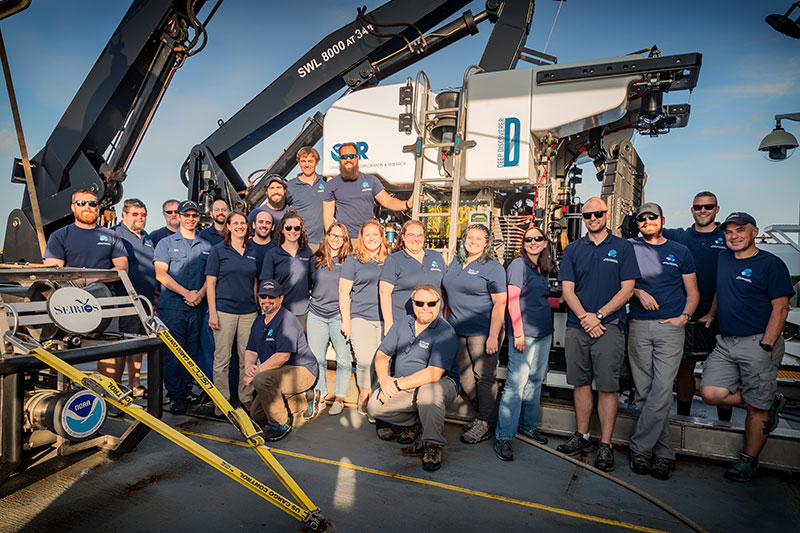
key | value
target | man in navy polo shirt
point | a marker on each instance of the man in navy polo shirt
(173, 221)
(705, 241)
(180, 264)
(753, 290)
(418, 375)
(664, 299)
(349, 196)
(278, 362)
(84, 244)
(598, 272)
(219, 213)
(305, 193)
(277, 204)
(142, 274)
(262, 239)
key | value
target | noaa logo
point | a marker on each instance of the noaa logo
(103, 238)
(321, 186)
(361, 146)
(83, 414)
(612, 253)
(719, 240)
(671, 258)
(434, 264)
(747, 272)
(365, 184)
(269, 333)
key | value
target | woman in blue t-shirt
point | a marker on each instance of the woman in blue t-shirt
(475, 287)
(231, 279)
(531, 324)
(324, 319)
(358, 303)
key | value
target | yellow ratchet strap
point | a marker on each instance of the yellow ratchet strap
(122, 398)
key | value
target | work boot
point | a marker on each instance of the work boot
(177, 406)
(640, 463)
(408, 435)
(503, 449)
(605, 458)
(432, 457)
(743, 469)
(778, 404)
(662, 468)
(576, 445)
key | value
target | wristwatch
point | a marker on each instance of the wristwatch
(766, 347)
(599, 315)
(687, 315)
(396, 384)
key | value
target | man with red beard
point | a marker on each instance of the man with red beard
(349, 196)
(86, 245)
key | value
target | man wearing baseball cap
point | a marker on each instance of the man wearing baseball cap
(180, 263)
(276, 204)
(278, 363)
(664, 299)
(752, 302)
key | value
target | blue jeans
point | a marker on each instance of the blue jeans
(319, 331)
(185, 326)
(520, 403)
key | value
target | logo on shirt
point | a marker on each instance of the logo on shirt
(321, 187)
(472, 271)
(103, 240)
(719, 242)
(612, 257)
(425, 345)
(745, 275)
(671, 260)
(251, 257)
(147, 242)
(269, 335)
(435, 266)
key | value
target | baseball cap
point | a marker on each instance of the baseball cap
(188, 205)
(270, 288)
(738, 217)
(277, 178)
(649, 207)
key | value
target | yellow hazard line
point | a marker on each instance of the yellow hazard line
(454, 488)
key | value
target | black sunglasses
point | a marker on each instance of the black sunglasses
(81, 203)
(596, 214)
(707, 207)
(262, 297)
(423, 304)
(290, 228)
(171, 212)
(348, 156)
(538, 238)
(647, 216)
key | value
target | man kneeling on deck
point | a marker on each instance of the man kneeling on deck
(277, 362)
(423, 379)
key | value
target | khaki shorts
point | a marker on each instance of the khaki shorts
(597, 360)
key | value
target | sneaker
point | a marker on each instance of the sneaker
(408, 435)
(477, 433)
(336, 408)
(362, 408)
(177, 406)
(778, 404)
(432, 457)
(605, 458)
(194, 399)
(312, 407)
(742, 469)
(277, 432)
(469, 425)
(662, 468)
(576, 445)
(503, 449)
(532, 434)
(640, 464)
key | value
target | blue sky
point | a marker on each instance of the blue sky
(750, 73)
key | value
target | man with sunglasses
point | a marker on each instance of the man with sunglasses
(278, 363)
(180, 264)
(350, 197)
(418, 375)
(664, 299)
(751, 305)
(598, 272)
(705, 241)
(173, 221)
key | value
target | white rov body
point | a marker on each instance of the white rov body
(506, 112)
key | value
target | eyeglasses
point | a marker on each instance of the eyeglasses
(295, 228)
(190, 215)
(260, 297)
(348, 156)
(81, 203)
(647, 216)
(707, 207)
(423, 304)
(171, 212)
(138, 215)
(596, 214)
(414, 236)
(336, 236)
(538, 238)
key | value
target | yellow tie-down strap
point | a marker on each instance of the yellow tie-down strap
(122, 398)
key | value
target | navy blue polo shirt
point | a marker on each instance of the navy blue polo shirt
(85, 248)
(355, 199)
(437, 346)
(159, 234)
(406, 274)
(294, 275)
(307, 200)
(261, 250)
(236, 278)
(469, 294)
(277, 216)
(745, 290)
(537, 317)
(211, 235)
(705, 249)
(325, 289)
(283, 334)
(598, 272)
(364, 297)
(186, 263)
(662, 267)
(140, 260)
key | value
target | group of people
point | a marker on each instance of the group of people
(312, 267)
